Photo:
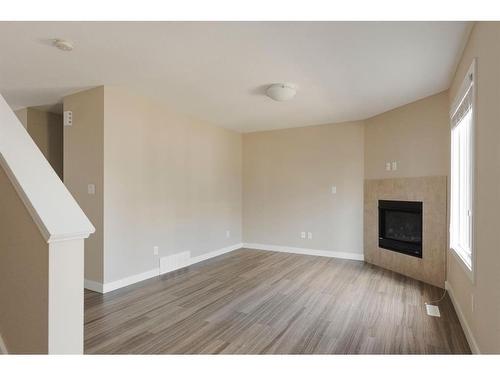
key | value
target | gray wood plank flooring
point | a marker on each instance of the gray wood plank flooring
(262, 302)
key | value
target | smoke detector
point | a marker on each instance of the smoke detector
(63, 45)
(281, 91)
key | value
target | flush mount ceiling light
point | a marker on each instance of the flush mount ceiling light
(281, 91)
(63, 45)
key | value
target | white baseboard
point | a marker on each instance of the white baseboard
(3, 348)
(175, 261)
(463, 322)
(216, 253)
(211, 254)
(299, 250)
(108, 287)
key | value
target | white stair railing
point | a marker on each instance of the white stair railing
(33, 196)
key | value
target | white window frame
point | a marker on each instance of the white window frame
(470, 79)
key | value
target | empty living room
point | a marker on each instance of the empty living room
(293, 188)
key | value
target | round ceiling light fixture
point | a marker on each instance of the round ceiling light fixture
(63, 45)
(281, 91)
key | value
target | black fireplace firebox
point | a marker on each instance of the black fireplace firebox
(400, 227)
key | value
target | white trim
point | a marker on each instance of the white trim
(209, 255)
(216, 253)
(50, 204)
(68, 237)
(49, 237)
(463, 264)
(108, 287)
(298, 250)
(3, 347)
(469, 271)
(65, 297)
(463, 322)
(464, 87)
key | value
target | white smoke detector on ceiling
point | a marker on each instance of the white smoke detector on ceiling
(63, 45)
(281, 91)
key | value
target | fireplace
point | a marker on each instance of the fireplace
(400, 226)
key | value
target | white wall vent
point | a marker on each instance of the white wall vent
(174, 261)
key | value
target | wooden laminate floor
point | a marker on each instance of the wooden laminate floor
(262, 302)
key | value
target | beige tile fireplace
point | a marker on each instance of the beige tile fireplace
(431, 191)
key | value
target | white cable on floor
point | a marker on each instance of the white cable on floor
(438, 300)
(444, 293)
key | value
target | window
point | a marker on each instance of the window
(462, 171)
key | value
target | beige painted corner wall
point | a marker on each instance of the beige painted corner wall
(169, 181)
(415, 135)
(83, 165)
(287, 180)
(46, 129)
(484, 319)
(22, 115)
(24, 278)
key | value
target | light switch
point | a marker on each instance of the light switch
(91, 189)
(387, 166)
(334, 189)
(67, 118)
(309, 235)
(302, 234)
(394, 165)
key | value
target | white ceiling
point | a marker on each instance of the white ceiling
(218, 71)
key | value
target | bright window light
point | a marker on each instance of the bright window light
(462, 172)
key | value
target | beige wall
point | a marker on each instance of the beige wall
(83, 165)
(415, 135)
(288, 173)
(287, 180)
(161, 180)
(483, 317)
(170, 181)
(22, 115)
(176, 181)
(46, 129)
(24, 279)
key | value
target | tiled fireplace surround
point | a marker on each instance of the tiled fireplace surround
(432, 192)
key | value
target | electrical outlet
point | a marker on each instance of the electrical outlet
(309, 235)
(387, 166)
(394, 165)
(302, 234)
(91, 189)
(334, 189)
(228, 233)
(155, 250)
